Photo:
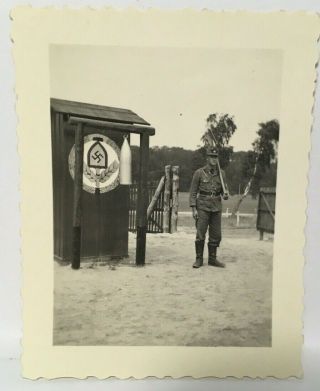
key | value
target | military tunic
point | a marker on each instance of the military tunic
(209, 206)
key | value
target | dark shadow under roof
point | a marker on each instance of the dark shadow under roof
(88, 110)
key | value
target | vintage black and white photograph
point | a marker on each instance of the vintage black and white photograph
(164, 180)
(164, 169)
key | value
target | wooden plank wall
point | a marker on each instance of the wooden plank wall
(105, 225)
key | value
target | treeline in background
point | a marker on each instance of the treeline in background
(240, 167)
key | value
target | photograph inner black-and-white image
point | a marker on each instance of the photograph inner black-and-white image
(164, 172)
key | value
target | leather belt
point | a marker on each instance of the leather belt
(209, 193)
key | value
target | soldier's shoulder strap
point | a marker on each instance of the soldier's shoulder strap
(199, 170)
(202, 169)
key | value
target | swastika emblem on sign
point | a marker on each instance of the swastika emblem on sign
(97, 155)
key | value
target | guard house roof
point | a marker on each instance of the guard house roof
(91, 111)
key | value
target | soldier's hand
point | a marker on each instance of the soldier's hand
(225, 196)
(195, 213)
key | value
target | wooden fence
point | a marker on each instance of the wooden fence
(266, 210)
(163, 201)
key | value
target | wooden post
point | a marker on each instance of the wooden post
(142, 202)
(175, 198)
(77, 197)
(166, 201)
(261, 235)
(155, 197)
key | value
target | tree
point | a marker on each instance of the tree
(260, 159)
(198, 158)
(225, 156)
(234, 172)
(221, 127)
(159, 157)
(238, 167)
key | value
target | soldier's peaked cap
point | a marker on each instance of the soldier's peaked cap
(212, 151)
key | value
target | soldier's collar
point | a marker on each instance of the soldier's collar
(210, 169)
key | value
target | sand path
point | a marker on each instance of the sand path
(167, 302)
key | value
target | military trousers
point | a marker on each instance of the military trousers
(211, 220)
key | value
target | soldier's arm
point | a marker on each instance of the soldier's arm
(194, 189)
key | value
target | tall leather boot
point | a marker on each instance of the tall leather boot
(199, 253)
(212, 261)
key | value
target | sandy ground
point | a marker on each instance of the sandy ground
(167, 302)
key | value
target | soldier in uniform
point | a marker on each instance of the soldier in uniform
(205, 200)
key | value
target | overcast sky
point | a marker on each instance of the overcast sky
(174, 88)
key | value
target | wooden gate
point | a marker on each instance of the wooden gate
(266, 210)
(162, 211)
(155, 221)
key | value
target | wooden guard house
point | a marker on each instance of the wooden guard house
(91, 207)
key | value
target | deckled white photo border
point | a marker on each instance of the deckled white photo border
(33, 31)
